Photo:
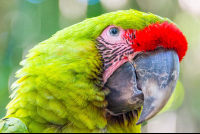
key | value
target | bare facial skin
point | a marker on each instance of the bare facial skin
(115, 50)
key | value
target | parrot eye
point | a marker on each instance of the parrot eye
(114, 31)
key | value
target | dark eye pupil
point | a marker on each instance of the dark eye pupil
(114, 31)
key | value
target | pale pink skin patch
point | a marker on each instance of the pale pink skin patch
(116, 50)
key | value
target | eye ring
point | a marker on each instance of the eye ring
(114, 31)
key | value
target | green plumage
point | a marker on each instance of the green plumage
(60, 85)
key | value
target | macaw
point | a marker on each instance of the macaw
(105, 74)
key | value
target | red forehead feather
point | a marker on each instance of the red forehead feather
(155, 35)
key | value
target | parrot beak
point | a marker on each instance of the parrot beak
(148, 81)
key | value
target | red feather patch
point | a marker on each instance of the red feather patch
(165, 35)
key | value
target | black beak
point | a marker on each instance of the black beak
(149, 81)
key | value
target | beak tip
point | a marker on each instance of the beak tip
(147, 113)
(140, 121)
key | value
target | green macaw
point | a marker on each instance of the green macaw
(106, 74)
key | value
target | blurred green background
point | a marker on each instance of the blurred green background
(25, 23)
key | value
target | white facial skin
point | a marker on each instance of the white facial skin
(116, 50)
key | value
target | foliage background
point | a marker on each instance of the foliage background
(25, 23)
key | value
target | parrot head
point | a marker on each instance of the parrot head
(104, 70)
(141, 67)
(141, 54)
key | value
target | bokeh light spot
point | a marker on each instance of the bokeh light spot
(114, 4)
(192, 6)
(72, 9)
(89, 2)
(36, 1)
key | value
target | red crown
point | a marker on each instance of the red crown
(166, 35)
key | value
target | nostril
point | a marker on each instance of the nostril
(139, 88)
